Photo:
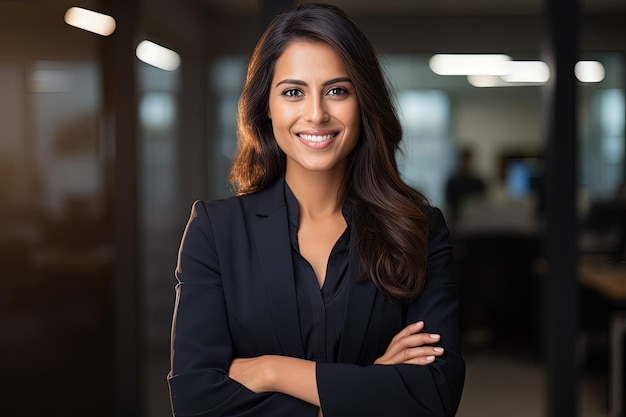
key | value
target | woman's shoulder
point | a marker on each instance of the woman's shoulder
(229, 207)
(219, 206)
(428, 209)
(438, 232)
(434, 214)
(216, 217)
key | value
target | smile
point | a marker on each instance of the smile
(317, 138)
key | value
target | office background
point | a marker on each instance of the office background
(102, 155)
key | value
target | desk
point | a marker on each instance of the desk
(610, 281)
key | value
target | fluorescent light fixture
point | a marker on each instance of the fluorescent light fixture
(486, 81)
(469, 64)
(589, 71)
(158, 56)
(91, 21)
(527, 72)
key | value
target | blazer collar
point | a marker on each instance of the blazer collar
(271, 198)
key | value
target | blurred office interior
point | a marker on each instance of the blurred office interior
(102, 155)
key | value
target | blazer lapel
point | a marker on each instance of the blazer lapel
(361, 297)
(271, 237)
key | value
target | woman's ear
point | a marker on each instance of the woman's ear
(269, 114)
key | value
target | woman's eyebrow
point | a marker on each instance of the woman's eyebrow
(337, 80)
(326, 83)
(290, 81)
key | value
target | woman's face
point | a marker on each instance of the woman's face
(314, 109)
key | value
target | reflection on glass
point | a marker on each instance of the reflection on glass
(55, 246)
(66, 133)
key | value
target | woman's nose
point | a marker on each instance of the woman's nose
(316, 111)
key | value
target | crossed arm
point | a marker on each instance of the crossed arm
(206, 381)
(296, 377)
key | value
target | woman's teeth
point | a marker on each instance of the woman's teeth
(316, 138)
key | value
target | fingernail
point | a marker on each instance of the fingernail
(439, 349)
(430, 358)
(419, 323)
(435, 336)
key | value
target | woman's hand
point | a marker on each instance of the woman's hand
(412, 347)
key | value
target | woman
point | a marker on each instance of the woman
(325, 286)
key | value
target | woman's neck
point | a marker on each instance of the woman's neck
(317, 193)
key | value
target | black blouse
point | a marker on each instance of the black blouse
(321, 311)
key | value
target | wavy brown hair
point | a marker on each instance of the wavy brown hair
(390, 217)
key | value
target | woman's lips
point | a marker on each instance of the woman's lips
(317, 140)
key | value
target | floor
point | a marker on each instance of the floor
(502, 385)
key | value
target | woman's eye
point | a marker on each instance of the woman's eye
(337, 91)
(292, 93)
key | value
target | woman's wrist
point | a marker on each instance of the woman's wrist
(291, 376)
(271, 372)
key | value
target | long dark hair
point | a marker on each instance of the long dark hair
(390, 217)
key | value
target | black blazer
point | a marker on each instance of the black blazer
(236, 298)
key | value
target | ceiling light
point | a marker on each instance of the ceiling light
(589, 71)
(527, 72)
(486, 81)
(158, 56)
(469, 64)
(91, 21)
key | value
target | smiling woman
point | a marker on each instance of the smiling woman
(314, 110)
(324, 287)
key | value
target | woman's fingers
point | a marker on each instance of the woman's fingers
(409, 330)
(410, 346)
(413, 340)
(415, 355)
(419, 355)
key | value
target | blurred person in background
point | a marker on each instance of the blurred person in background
(464, 186)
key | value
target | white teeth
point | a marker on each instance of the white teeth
(314, 138)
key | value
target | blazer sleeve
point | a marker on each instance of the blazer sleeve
(201, 350)
(408, 390)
